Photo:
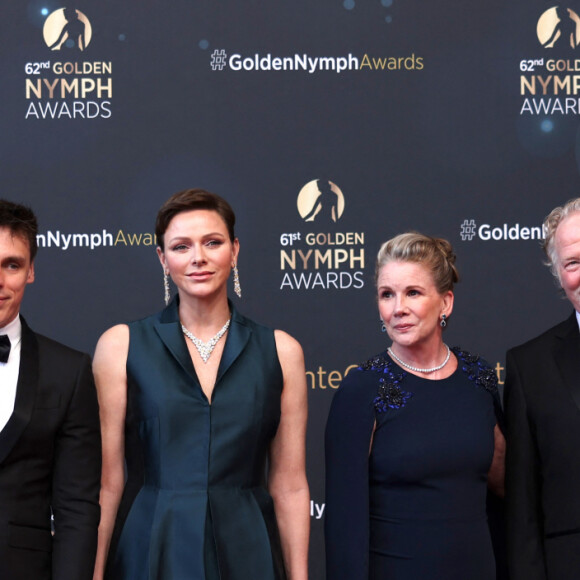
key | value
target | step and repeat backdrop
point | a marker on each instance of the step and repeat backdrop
(330, 126)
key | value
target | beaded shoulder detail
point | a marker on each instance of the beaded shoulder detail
(390, 395)
(477, 370)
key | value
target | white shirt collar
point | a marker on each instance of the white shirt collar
(578, 318)
(13, 330)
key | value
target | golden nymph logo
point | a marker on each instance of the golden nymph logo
(559, 26)
(320, 200)
(318, 256)
(550, 84)
(67, 28)
(68, 87)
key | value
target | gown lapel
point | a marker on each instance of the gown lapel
(169, 330)
(238, 337)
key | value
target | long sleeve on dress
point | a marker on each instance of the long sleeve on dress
(348, 437)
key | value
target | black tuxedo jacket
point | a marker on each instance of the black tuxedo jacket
(50, 460)
(542, 401)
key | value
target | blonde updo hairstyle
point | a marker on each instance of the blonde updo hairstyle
(436, 254)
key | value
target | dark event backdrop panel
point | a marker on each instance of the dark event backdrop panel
(455, 119)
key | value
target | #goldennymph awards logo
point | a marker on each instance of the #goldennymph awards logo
(317, 256)
(68, 86)
(549, 79)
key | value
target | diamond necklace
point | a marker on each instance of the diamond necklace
(206, 348)
(417, 369)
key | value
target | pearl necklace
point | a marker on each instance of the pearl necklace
(206, 348)
(417, 369)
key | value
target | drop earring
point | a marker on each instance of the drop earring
(166, 287)
(383, 327)
(443, 322)
(237, 287)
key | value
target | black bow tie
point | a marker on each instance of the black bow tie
(4, 348)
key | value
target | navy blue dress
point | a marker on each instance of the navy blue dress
(196, 504)
(415, 507)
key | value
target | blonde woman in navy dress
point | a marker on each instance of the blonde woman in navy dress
(412, 440)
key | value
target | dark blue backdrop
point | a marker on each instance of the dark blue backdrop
(427, 128)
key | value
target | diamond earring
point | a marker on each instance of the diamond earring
(237, 287)
(166, 287)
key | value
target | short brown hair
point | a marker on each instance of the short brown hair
(21, 221)
(190, 200)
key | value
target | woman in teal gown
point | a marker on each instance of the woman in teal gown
(206, 410)
(413, 439)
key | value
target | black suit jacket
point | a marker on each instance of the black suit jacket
(542, 401)
(50, 459)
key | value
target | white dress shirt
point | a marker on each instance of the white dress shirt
(9, 371)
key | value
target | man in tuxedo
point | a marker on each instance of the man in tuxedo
(542, 402)
(50, 455)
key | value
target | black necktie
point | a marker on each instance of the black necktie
(4, 348)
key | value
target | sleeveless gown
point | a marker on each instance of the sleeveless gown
(195, 505)
(415, 508)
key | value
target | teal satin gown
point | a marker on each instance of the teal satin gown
(195, 505)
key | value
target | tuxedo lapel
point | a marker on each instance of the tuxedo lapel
(26, 388)
(567, 356)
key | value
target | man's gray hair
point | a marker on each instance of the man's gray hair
(551, 223)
